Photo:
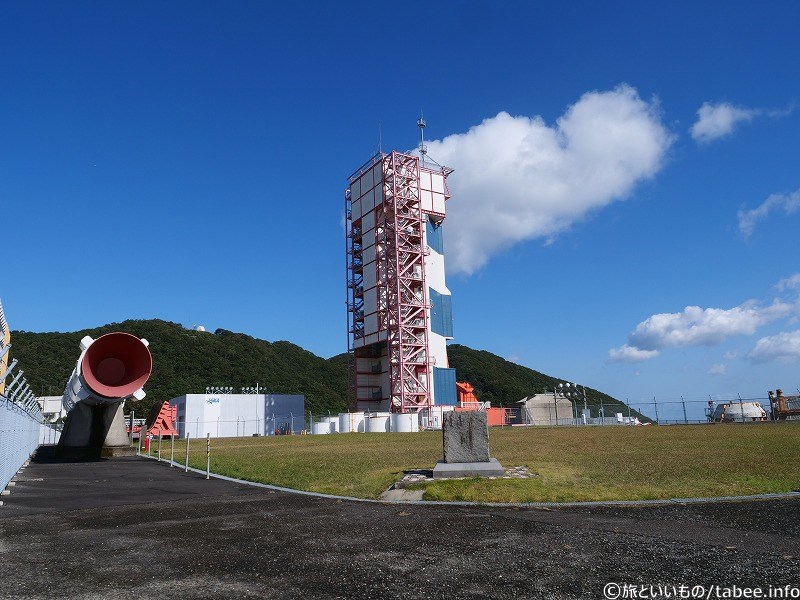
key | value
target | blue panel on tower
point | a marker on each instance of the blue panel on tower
(433, 233)
(444, 386)
(441, 314)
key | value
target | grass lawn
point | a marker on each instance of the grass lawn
(573, 464)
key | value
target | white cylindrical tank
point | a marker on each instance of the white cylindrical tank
(333, 424)
(378, 422)
(405, 422)
(351, 422)
(320, 427)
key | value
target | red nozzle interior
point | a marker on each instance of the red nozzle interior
(116, 365)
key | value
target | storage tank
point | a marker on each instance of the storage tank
(351, 422)
(333, 423)
(405, 422)
(378, 422)
(320, 427)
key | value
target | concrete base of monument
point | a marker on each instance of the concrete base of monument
(492, 468)
(117, 451)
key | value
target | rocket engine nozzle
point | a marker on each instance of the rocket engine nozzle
(116, 365)
(110, 369)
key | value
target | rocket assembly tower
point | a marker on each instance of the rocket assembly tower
(398, 305)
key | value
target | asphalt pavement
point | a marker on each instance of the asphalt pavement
(133, 528)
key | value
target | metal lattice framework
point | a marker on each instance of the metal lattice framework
(401, 291)
(405, 316)
(355, 295)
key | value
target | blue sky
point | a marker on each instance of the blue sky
(186, 161)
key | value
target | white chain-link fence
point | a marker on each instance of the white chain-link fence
(19, 437)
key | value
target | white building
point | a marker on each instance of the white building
(399, 310)
(239, 415)
(52, 407)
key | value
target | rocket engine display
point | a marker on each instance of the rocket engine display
(110, 369)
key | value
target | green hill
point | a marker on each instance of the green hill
(186, 361)
(503, 383)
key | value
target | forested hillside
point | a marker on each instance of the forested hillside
(502, 382)
(186, 361)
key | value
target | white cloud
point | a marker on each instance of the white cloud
(518, 178)
(790, 283)
(788, 203)
(731, 354)
(783, 347)
(628, 353)
(695, 326)
(718, 369)
(719, 120)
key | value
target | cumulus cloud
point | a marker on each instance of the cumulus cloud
(695, 326)
(787, 203)
(518, 178)
(628, 353)
(783, 347)
(718, 369)
(715, 121)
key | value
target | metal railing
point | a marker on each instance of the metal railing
(19, 438)
(20, 414)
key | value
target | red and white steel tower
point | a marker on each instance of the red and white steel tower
(395, 205)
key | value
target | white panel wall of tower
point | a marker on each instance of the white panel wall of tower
(432, 196)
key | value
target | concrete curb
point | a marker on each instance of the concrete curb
(614, 503)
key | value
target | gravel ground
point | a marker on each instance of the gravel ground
(128, 528)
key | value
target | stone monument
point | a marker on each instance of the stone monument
(466, 447)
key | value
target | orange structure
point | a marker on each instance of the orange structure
(466, 394)
(163, 423)
(468, 401)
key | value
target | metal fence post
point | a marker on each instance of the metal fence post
(172, 450)
(159, 445)
(685, 420)
(655, 402)
(208, 456)
(186, 464)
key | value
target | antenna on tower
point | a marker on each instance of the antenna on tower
(423, 150)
